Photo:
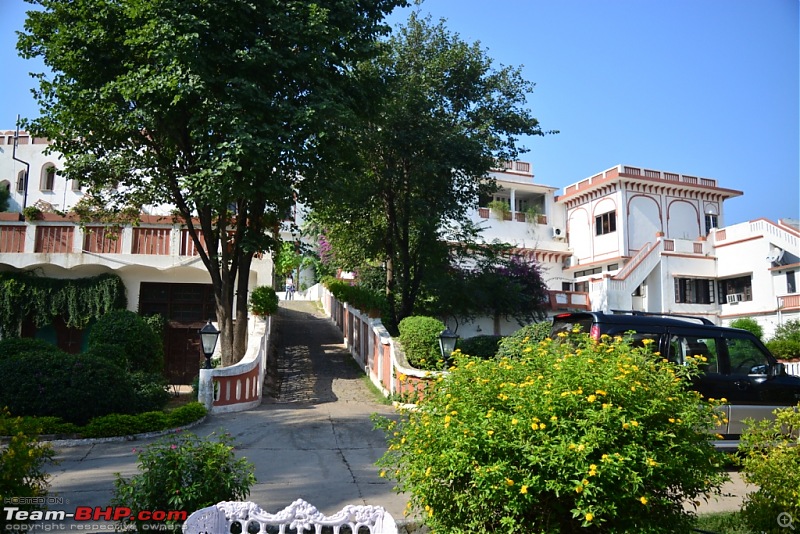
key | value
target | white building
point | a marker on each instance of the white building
(156, 260)
(625, 238)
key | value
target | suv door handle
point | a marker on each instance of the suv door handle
(742, 384)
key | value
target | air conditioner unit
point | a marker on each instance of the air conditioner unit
(558, 233)
(735, 298)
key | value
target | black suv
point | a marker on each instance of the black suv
(739, 367)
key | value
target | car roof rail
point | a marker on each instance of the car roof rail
(701, 320)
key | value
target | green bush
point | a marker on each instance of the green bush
(115, 424)
(596, 437)
(19, 346)
(419, 336)
(360, 297)
(22, 465)
(74, 387)
(751, 325)
(785, 344)
(151, 391)
(5, 194)
(188, 413)
(771, 460)
(133, 334)
(481, 346)
(527, 335)
(182, 472)
(263, 301)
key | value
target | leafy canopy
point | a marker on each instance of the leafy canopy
(214, 107)
(409, 170)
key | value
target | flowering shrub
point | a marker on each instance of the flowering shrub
(22, 462)
(182, 472)
(530, 334)
(771, 460)
(601, 437)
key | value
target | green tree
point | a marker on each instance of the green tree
(749, 324)
(439, 118)
(5, 194)
(288, 259)
(214, 107)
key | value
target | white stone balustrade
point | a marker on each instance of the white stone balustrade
(299, 517)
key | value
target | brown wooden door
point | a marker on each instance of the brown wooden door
(186, 307)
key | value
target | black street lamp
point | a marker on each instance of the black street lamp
(208, 339)
(447, 343)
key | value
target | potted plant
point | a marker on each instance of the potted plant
(32, 213)
(533, 215)
(263, 301)
(500, 209)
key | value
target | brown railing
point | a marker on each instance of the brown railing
(187, 244)
(54, 239)
(790, 302)
(151, 241)
(102, 240)
(12, 239)
(569, 300)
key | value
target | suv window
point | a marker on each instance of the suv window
(567, 324)
(746, 358)
(681, 347)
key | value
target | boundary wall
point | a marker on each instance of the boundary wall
(240, 386)
(374, 349)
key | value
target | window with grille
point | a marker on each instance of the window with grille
(694, 291)
(606, 223)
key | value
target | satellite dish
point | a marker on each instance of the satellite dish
(775, 255)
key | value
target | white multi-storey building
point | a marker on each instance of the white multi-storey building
(625, 238)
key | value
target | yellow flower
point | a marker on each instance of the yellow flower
(401, 377)
(490, 432)
(509, 482)
(578, 489)
(554, 418)
(514, 421)
(643, 500)
(600, 392)
(523, 490)
(534, 426)
(589, 516)
(634, 423)
(428, 471)
(591, 398)
(651, 462)
(383, 474)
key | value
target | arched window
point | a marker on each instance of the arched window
(48, 180)
(21, 181)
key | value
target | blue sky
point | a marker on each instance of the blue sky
(707, 88)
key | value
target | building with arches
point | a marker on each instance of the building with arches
(625, 238)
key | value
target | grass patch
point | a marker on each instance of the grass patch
(722, 523)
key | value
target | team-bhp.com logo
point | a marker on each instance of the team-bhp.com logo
(15, 516)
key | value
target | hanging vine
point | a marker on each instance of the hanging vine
(77, 301)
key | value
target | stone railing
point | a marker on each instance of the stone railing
(792, 368)
(374, 350)
(240, 386)
(300, 516)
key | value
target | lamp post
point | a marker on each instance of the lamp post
(447, 344)
(208, 340)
